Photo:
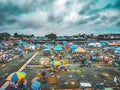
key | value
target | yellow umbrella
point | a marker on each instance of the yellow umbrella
(55, 63)
(16, 76)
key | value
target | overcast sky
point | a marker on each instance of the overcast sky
(62, 17)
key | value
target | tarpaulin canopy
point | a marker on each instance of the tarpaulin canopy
(46, 47)
(65, 43)
(104, 42)
(80, 50)
(117, 49)
(46, 50)
(74, 47)
(58, 48)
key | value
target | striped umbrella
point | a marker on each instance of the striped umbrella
(55, 63)
(16, 76)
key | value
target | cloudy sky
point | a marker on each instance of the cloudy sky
(62, 17)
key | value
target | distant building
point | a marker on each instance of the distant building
(109, 37)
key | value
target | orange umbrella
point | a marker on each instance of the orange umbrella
(1, 53)
(27, 48)
(80, 50)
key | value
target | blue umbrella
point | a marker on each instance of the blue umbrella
(55, 63)
(19, 50)
(73, 47)
(36, 85)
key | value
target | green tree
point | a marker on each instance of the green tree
(16, 35)
(51, 36)
(4, 36)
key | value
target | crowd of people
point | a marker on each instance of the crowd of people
(84, 59)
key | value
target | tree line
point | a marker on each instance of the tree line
(6, 36)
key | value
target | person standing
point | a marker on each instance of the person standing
(116, 80)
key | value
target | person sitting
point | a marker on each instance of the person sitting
(23, 84)
(43, 77)
(12, 85)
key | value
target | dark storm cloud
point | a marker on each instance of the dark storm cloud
(71, 16)
(91, 19)
(118, 23)
(54, 19)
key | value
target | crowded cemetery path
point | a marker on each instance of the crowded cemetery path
(76, 73)
(14, 64)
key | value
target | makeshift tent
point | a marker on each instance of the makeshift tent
(46, 50)
(115, 44)
(38, 45)
(53, 78)
(80, 50)
(65, 43)
(32, 46)
(46, 47)
(94, 44)
(73, 47)
(22, 42)
(58, 48)
(117, 49)
(104, 42)
(1, 46)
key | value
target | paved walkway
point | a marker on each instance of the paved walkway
(5, 85)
